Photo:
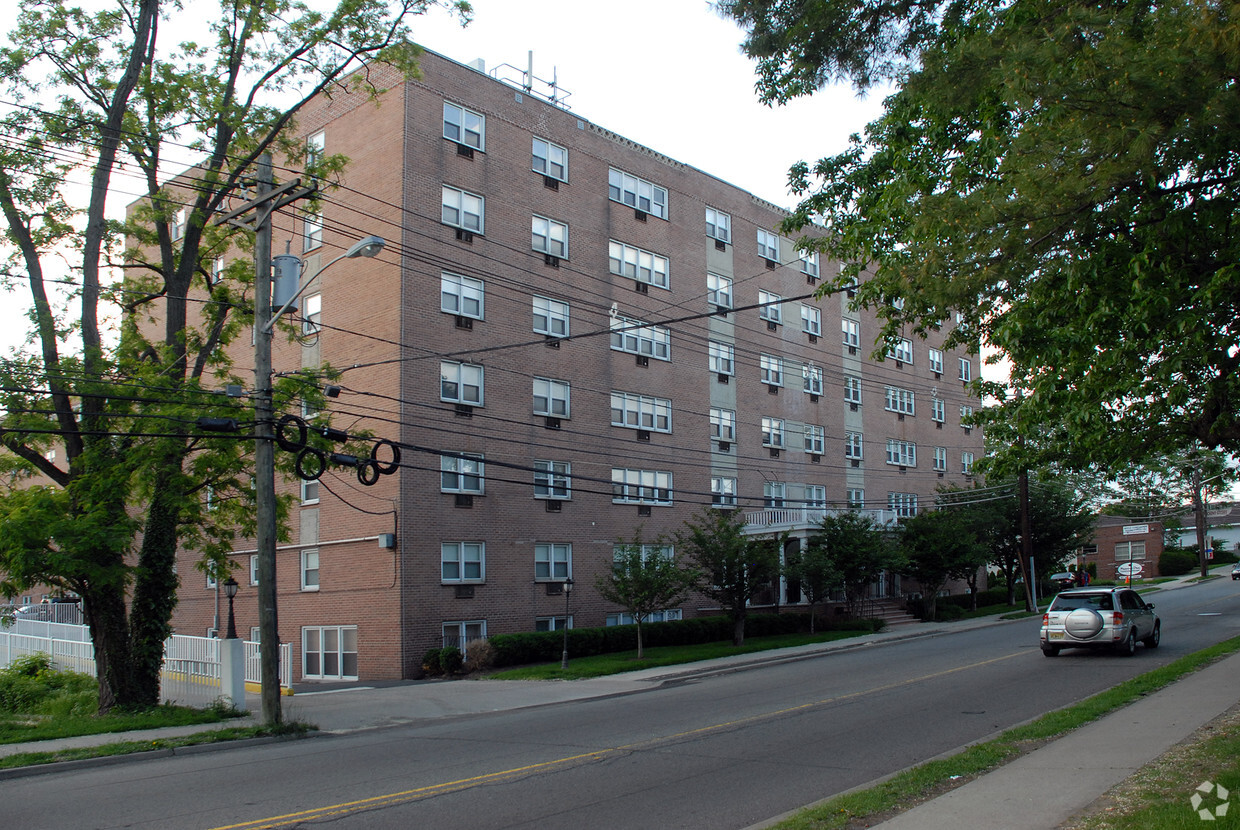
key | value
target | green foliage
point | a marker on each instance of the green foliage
(939, 545)
(644, 579)
(1177, 562)
(30, 685)
(859, 551)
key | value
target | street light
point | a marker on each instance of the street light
(568, 587)
(230, 590)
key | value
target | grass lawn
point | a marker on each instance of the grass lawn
(20, 728)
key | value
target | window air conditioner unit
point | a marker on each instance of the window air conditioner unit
(813, 338)
(856, 462)
(463, 322)
(853, 406)
(464, 591)
(940, 475)
(938, 424)
(810, 279)
(852, 349)
(553, 342)
(465, 150)
(725, 446)
(723, 377)
(641, 288)
(643, 510)
(464, 235)
(639, 215)
(642, 360)
(772, 389)
(550, 182)
(553, 505)
(815, 458)
(643, 435)
(720, 245)
(770, 264)
(722, 311)
(555, 589)
(813, 398)
(464, 500)
(552, 423)
(464, 410)
(774, 452)
(899, 416)
(771, 325)
(552, 260)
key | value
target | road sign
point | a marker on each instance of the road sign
(1130, 569)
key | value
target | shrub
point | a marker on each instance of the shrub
(430, 662)
(948, 612)
(479, 655)
(450, 660)
(1177, 562)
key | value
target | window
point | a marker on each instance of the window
(315, 145)
(966, 463)
(312, 314)
(966, 413)
(550, 159)
(901, 453)
(718, 290)
(938, 410)
(815, 496)
(809, 264)
(309, 491)
(312, 230)
(851, 330)
(722, 491)
(552, 480)
(551, 398)
(217, 272)
(966, 369)
(815, 439)
(625, 618)
(548, 236)
(855, 498)
(634, 337)
(643, 266)
(461, 474)
(462, 561)
(460, 382)
(212, 582)
(641, 412)
(901, 400)
(773, 432)
(550, 317)
(940, 459)
(329, 652)
(772, 370)
(254, 569)
(309, 570)
(464, 126)
(462, 209)
(553, 623)
(852, 389)
(901, 350)
(458, 635)
(852, 445)
(768, 245)
(1128, 551)
(718, 225)
(774, 494)
(904, 505)
(812, 375)
(721, 358)
(177, 229)
(460, 295)
(811, 320)
(770, 309)
(936, 360)
(636, 193)
(722, 424)
(553, 561)
(641, 486)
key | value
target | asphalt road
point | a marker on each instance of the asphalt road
(724, 751)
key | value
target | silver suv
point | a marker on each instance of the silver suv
(1113, 618)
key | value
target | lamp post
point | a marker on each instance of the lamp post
(568, 587)
(230, 590)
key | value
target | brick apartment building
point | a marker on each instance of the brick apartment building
(573, 339)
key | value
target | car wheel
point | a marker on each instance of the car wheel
(1154, 638)
(1129, 646)
(1050, 651)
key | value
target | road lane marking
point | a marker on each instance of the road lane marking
(407, 796)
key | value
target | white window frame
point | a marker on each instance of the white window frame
(548, 236)
(551, 317)
(467, 559)
(771, 369)
(462, 474)
(771, 307)
(463, 633)
(938, 410)
(966, 412)
(852, 389)
(773, 433)
(966, 462)
(718, 224)
(310, 569)
(851, 332)
(903, 401)
(811, 320)
(637, 193)
(815, 439)
(311, 314)
(854, 497)
(718, 290)
(635, 337)
(312, 230)
(309, 491)
(722, 424)
(553, 480)
(463, 377)
(812, 377)
(470, 127)
(344, 655)
(854, 444)
(549, 159)
(815, 496)
(553, 561)
(176, 228)
(901, 351)
(940, 459)
(461, 295)
(935, 359)
(316, 145)
(809, 263)
(254, 569)
(774, 494)
(721, 357)
(768, 245)
(630, 410)
(552, 397)
(901, 453)
(468, 210)
(638, 264)
(633, 486)
(966, 369)
(722, 491)
(904, 505)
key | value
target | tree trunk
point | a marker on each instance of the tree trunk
(640, 652)
(105, 612)
(154, 595)
(738, 630)
(812, 617)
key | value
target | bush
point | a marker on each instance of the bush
(947, 612)
(450, 660)
(1177, 562)
(31, 685)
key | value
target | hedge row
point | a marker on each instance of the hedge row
(993, 596)
(548, 646)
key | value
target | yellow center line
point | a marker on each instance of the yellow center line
(391, 799)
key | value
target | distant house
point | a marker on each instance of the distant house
(1122, 546)
(1222, 525)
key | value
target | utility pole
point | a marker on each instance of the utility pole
(267, 200)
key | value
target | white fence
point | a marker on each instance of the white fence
(191, 673)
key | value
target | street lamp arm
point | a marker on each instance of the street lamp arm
(368, 247)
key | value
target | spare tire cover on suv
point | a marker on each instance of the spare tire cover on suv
(1083, 623)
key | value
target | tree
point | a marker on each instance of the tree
(939, 545)
(645, 578)
(732, 566)
(860, 551)
(1061, 176)
(131, 472)
(813, 568)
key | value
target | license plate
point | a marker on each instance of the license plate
(1054, 635)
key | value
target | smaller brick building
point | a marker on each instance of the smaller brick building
(1122, 546)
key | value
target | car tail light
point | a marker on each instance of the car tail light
(1046, 619)
(1117, 618)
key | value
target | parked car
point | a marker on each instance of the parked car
(1235, 571)
(1112, 618)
